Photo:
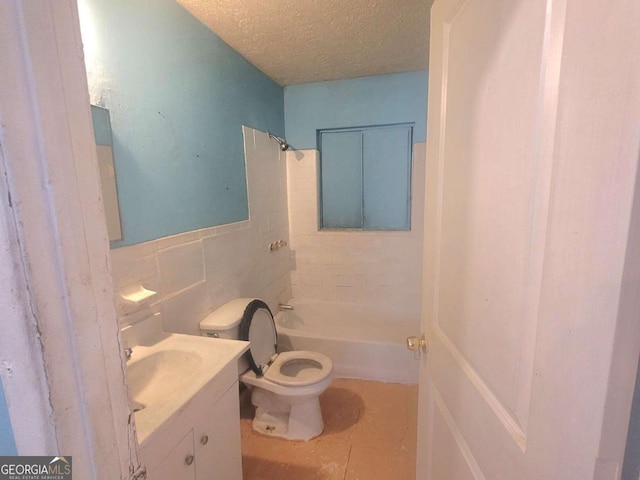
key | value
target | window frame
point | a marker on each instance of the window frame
(362, 129)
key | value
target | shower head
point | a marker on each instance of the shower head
(281, 141)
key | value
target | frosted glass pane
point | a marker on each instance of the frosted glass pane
(387, 178)
(341, 179)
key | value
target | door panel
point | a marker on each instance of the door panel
(488, 275)
(453, 458)
(524, 251)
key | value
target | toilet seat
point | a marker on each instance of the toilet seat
(299, 368)
(288, 369)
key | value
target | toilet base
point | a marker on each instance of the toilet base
(277, 416)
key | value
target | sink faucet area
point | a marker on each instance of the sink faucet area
(166, 370)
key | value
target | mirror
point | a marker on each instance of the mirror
(104, 148)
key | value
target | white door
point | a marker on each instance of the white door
(531, 167)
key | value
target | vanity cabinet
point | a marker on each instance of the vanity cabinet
(202, 440)
(217, 439)
(179, 463)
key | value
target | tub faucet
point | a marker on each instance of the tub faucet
(285, 306)
(127, 353)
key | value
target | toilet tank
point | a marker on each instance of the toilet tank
(224, 322)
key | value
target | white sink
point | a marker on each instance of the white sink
(166, 370)
(160, 372)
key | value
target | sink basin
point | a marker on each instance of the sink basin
(167, 370)
(160, 372)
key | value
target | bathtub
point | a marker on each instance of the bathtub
(362, 342)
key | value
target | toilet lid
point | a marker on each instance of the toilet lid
(257, 327)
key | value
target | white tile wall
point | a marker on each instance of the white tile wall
(198, 271)
(383, 268)
(180, 267)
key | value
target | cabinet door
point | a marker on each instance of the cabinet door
(179, 463)
(217, 437)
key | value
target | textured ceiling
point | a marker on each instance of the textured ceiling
(301, 41)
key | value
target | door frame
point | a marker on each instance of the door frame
(61, 360)
(60, 332)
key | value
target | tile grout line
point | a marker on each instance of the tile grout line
(346, 468)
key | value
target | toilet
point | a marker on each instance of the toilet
(285, 387)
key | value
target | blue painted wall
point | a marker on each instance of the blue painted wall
(7, 442)
(359, 102)
(178, 97)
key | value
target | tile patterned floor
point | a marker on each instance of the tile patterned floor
(369, 435)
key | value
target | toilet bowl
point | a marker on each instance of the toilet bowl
(286, 386)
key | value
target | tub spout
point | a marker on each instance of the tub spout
(285, 306)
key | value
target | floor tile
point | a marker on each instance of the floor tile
(383, 396)
(369, 434)
(380, 429)
(341, 409)
(366, 463)
(285, 459)
(409, 440)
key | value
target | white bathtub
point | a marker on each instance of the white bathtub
(362, 342)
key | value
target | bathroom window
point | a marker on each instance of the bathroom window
(365, 177)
